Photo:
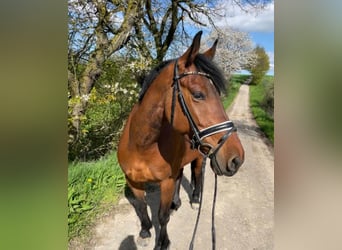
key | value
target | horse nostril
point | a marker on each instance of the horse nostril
(237, 161)
(234, 164)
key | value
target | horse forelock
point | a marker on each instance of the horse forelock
(206, 65)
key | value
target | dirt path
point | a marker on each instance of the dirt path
(244, 209)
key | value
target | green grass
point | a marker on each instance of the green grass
(233, 89)
(93, 187)
(260, 113)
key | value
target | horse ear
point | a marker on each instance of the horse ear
(192, 51)
(210, 53)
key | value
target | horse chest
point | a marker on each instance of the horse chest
(147, 167)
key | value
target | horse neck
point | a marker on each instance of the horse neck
(147, 121)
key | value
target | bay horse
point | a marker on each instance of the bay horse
(179, 117)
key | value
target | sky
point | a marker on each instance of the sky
(259, 25)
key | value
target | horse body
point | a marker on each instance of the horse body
(151, 159)
(144, 155)
(163, 132)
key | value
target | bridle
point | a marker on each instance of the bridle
(206, 149)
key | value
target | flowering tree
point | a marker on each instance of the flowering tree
(131, 34)
(234, 50)
(96, 31)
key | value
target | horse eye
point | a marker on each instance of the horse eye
(198, 95)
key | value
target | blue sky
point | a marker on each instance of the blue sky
(258, 24)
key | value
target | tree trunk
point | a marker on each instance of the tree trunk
(104, 48)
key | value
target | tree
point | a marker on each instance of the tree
(165, 22)
(141, 31)
(99, 28)
(102, 37)
(262, 65)
(234, 49)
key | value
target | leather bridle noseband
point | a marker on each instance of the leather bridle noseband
(196, 141)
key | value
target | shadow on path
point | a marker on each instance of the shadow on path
(128, 243)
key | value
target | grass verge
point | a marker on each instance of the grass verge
(93, 187)
(259, 110)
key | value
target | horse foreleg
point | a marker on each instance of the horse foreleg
(167, 189)
(176, 202)
(196, 180)
(140, 206)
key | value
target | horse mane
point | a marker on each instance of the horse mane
(146, 83)
(202, 64)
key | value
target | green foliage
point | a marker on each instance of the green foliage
(262, 65)
(262, 106)
(234, 86)
(268, 100)
(109, 104)
(92, 188)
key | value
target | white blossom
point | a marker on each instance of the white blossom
(234, 50)
(85, 97)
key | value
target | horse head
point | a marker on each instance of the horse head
(195, 109)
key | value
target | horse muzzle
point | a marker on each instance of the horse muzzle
(218, 164)
(228, 169)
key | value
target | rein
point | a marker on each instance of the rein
(200, 206)
(213, 231)
(205, 149)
